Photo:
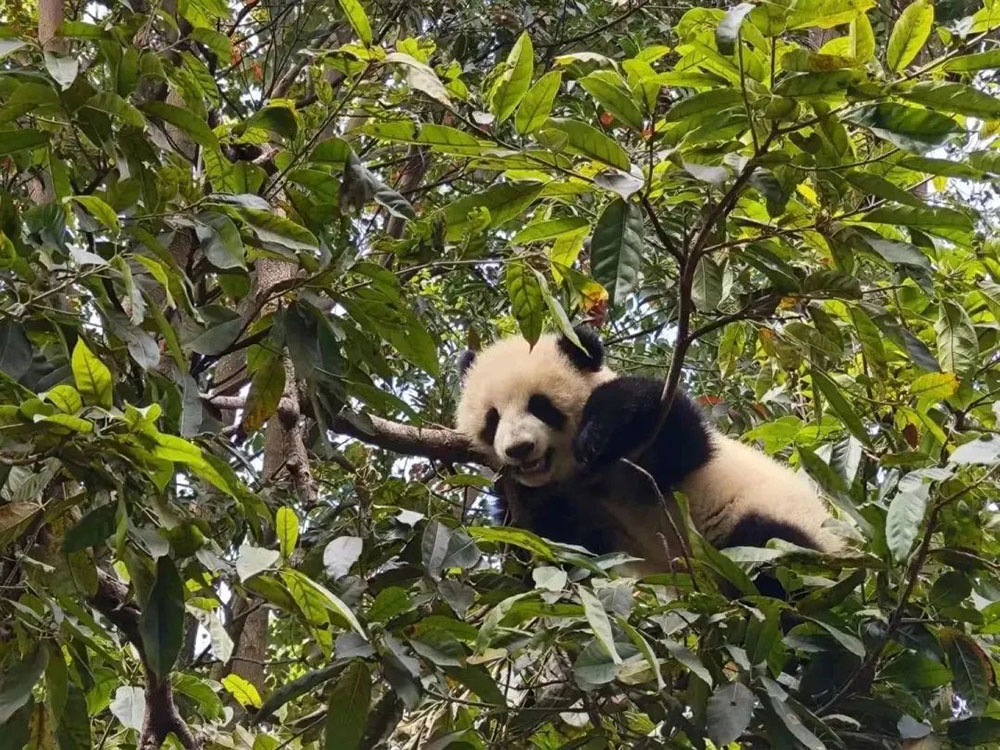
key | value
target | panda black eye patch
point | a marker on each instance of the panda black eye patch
(543, 408)
(489, 430)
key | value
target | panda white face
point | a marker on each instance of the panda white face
(531, 438)
(521, 406)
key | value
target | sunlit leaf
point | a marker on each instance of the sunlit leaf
(515, 81)
(91, 376)
(536, 106)
(909, 34)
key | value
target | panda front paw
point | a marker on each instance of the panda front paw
(612, 423)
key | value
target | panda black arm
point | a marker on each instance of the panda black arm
(620, 414)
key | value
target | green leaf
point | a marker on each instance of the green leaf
(242, 690)
(183, 119)
(449, 140)
(91, 530)
(825, 14)
(906, 512)
(590, 142)
(727, 33)
(715, 101)
(977, 731)
(616, 249)
(389, 603)
(958, 347)
(20, 140)
(73, 732)
(162, 623)
(220, 241)
(19, 679)
(600, 625)
(934, 386)
(272, 228)
(989, 60)
(612, 93)
(549, 229)
(909, 34)
(729, 712)
(504, 202)
(929, 217)
(303, 587)
(706, 286)
(434, 547)
(794, 724)
(15, 349)
(898, 253)
(642, 644)
(537, 103)
(347, 715)
(840, 405)
(92, 377)
(510, 535)
(275, 118)
(358, 19)
(99, 210)
(909, 128)
(266, 389)
(526, 300)
(861, 39)
(515, 81)
(870, 338)
(815, 84)
(971, 667)
(286, 526)
(956, 98)
(877, 185)
(289, 691)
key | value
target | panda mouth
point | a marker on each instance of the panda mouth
(537, 467)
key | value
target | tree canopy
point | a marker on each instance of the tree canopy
(241, 245)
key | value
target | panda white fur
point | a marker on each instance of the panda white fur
(557, 420)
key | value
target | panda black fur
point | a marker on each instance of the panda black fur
(558, 420)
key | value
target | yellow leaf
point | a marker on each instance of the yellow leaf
(242, 690)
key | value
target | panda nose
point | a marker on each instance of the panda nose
(520, 450)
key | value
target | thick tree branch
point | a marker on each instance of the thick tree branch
(436, 443)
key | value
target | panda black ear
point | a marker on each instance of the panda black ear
(465, 360)
(591, 357)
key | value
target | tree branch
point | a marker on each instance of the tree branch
(162, 717)
(435, 443)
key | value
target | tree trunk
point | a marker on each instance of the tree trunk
(284, 454)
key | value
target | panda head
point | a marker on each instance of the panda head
(521, 405)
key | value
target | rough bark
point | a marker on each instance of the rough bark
(50, 18)
(285, 456)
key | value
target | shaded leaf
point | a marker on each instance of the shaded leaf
(730, 710)
(526, 300)
(162, 624)
(347, 715)
(616, 249)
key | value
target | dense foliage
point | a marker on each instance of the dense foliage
(241, 243)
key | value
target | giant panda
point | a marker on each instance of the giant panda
(556, 420)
